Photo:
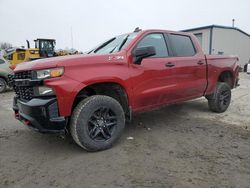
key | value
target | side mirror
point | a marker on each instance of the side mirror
(143, 52)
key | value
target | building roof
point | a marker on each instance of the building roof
(217, 26)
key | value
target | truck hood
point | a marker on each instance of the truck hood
(4, 68)
(65, 61)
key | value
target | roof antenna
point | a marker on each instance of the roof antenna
(233, 22)
(137, 29)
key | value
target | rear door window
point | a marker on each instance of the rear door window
(182, 45)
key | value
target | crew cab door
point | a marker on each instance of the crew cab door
(189, 67)
(177, 72)
(151, 78)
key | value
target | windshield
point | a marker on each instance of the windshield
(114, 44)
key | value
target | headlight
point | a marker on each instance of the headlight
(49, 73)
(43, 91)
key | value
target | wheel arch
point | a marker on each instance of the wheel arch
(109, 88)
(226, 76)
(6, 80)
(6, 83)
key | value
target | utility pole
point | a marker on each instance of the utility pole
(233, 22)
(71, 31)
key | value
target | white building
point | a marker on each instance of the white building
(216, 39)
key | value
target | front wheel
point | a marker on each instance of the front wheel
(3, 85)
(97, 123)
(220, 100)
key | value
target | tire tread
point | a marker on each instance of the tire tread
(213, 102)
(82, 142)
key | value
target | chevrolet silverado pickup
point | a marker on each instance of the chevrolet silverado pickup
(92, 95)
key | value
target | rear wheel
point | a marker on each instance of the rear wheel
(97, 123)
(3, 85)
(220, 100)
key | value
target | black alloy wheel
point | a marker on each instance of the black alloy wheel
(97, 122)
(3, 85)
(102, 124)
(225, 98)
(220, 100)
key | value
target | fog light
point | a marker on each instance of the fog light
(43, 91)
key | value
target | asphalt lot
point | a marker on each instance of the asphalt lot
(184, 145)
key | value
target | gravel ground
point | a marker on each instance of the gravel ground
(183, 145)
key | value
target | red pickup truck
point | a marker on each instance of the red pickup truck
(92, 95)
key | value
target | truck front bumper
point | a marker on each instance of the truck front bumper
(40, 114)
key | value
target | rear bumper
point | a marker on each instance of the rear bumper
(40, 114)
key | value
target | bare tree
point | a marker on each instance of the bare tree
(5, 45)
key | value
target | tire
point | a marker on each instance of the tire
(3, 85)
(220, 100)
(97, 123)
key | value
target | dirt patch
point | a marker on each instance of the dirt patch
(183, 145)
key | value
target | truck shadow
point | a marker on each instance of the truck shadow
(163, 118)
(8, 90)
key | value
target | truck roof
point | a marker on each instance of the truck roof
(167, 31)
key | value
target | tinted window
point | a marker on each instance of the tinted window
(21, 56)
(182, 45)
(10, 57)
(157, 40)
(2, 61)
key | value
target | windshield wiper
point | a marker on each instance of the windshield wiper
(121, 45)
(90, 52)
(123, 42)
(104, 44)
(112, 50)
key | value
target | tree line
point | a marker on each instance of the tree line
(5, 45)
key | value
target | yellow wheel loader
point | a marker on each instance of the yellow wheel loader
(44, 48)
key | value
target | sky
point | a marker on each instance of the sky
(92, 22)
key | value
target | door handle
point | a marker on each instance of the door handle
(169, 64)
(200, 63)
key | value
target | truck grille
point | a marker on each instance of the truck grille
(23, 92)
(23, 75)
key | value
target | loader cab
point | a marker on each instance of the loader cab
(20, 55)
(46, 47)
(16, 55)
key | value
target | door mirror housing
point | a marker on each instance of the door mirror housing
(143, 52)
